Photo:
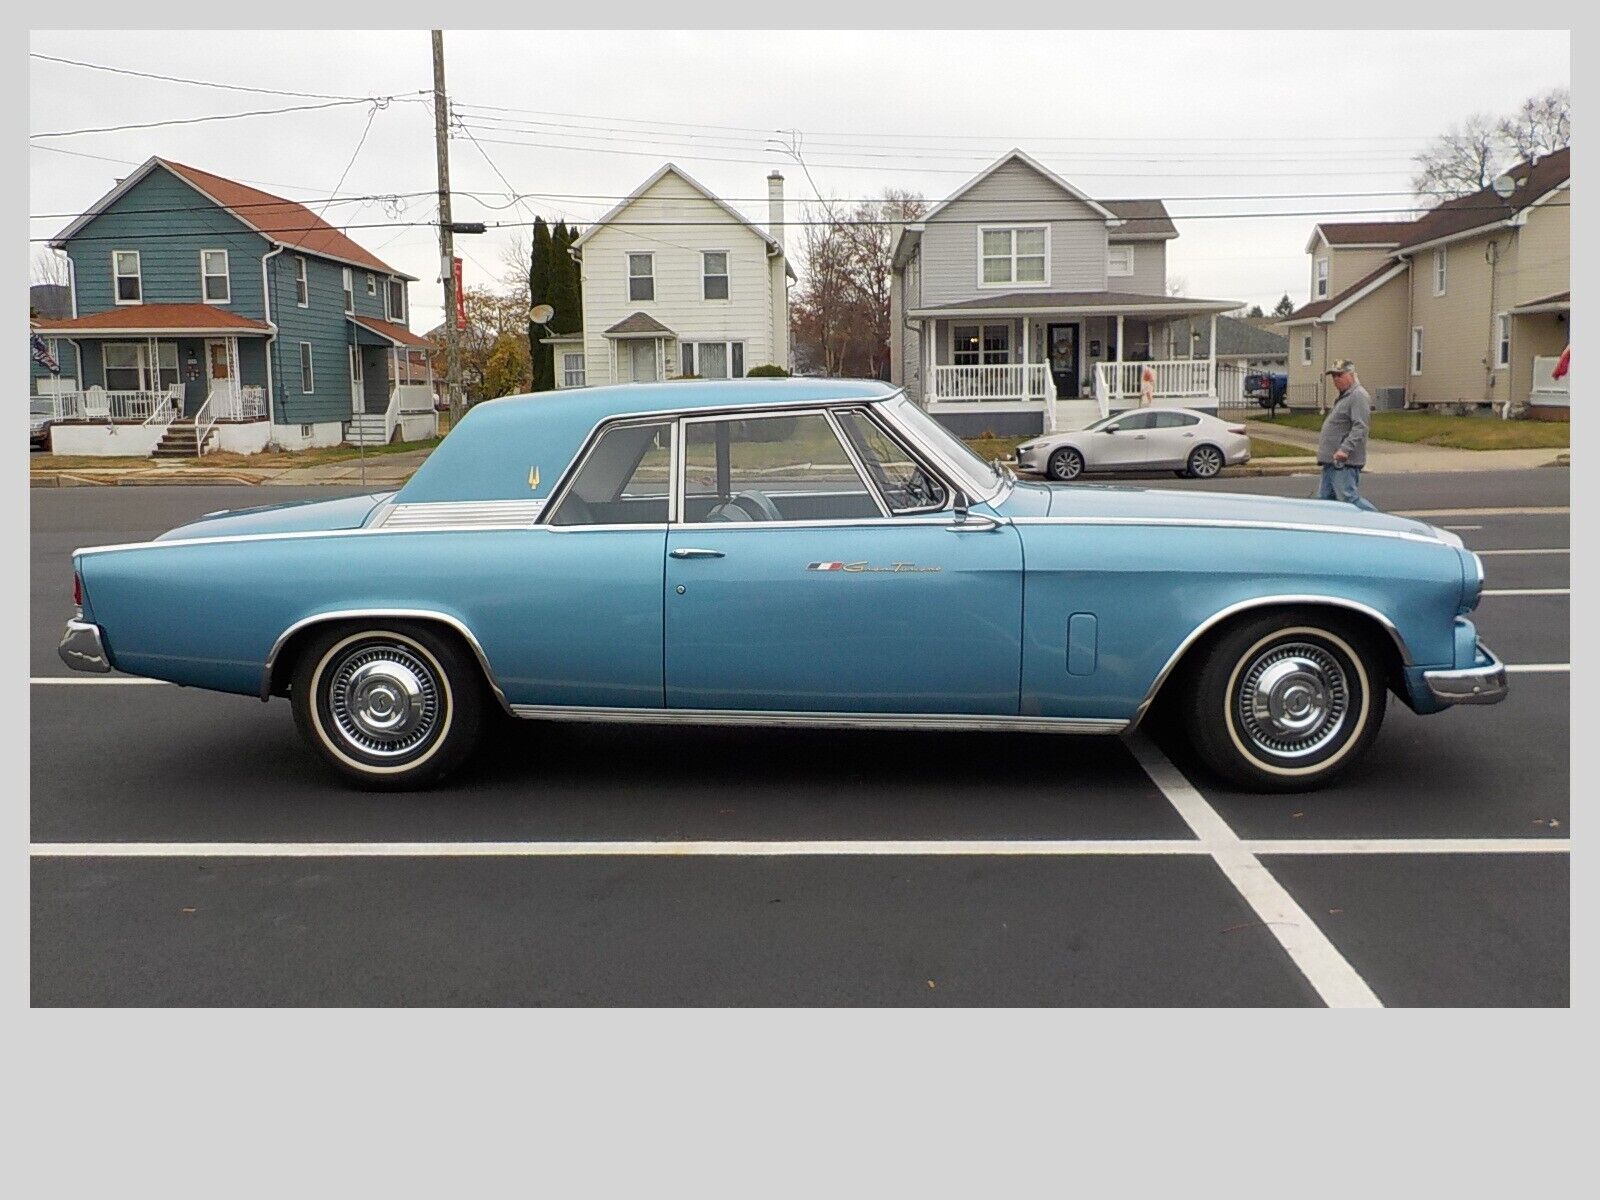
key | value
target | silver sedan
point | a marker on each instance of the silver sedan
(1141, 439)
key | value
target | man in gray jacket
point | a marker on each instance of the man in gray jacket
(1342, 446)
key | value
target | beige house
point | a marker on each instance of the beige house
(1469, 304)
(677, 282)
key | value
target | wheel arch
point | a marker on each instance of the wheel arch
(278, 667)
(1386, 636)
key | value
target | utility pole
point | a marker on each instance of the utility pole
(447, 248)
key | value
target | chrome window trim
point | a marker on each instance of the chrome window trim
(1240, 606)
(855, 460)
(823, 720)
(912, 451)
(986, 494)
(570, 477)
(386, 614)
(1240, 523)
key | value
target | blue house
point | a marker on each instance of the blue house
(206, 314)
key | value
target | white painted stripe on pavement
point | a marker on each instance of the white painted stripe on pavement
(1538, 668)
(1460, 528)
(1541, 550)
(1328, 972)
(926, 848)
(1503, 511)
(100, 680)
(1528, 592)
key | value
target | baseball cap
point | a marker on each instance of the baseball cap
(1340, 367)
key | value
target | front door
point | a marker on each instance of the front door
(219, 368)
(789, 590)
(1062, 351)
(643, 355)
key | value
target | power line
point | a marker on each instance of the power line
(354, 154)
(230, 87)
(260, 112)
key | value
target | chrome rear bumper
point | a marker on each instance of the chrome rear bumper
(83, 649)
(1484, 683)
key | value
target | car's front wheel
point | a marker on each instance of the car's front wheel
(1066, 464)
(1287, 702)
(390, 706)
(1205, 462)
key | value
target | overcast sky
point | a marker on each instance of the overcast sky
(1246, 115)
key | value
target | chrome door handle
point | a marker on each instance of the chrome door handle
(692, 552)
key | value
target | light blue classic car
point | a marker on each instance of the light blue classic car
(789, 552)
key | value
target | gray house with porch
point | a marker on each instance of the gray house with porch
(1019, 304)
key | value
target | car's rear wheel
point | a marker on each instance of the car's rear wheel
(1205, 462)
(391, 706)
(1066, 464)
(1287, 702)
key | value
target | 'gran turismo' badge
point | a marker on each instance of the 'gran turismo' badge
(899, 568)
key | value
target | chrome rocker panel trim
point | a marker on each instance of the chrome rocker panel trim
(1470, 685)
(821, 720)
(83, 649)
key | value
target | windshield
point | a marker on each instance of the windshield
(977, 475)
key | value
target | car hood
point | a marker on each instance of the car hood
(298, 516)
(1136, 503)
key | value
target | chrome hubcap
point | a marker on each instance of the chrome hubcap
(1207, 462)
(1293, 699)
(1067, 467)
(384, 699)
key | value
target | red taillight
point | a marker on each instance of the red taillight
(77, 590)
(1237, 429)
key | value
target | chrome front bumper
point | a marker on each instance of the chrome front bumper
(1483, 683)
(83, 649)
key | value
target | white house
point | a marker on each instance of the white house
(677, 282)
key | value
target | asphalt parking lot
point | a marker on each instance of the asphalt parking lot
(188, 851)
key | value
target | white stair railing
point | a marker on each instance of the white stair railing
(203, 422)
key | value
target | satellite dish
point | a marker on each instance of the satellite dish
(1504, 187)
(541, 314)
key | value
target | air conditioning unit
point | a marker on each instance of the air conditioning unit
(1389, 398)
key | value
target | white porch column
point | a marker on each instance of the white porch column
(1118, 367)
(928, 391)
(1026, 392)
(1212, 369)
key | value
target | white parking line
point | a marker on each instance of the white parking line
(1528, 592)
(1531, 510)
(100, 680)
(925, 848)
(1460, 528)
(1541, 550)
(1328, 972)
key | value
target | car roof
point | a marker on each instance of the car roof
(517, 447)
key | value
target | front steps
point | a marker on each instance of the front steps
(179, 441)
(367, 429)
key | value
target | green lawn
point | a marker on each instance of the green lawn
(1267, 448)
(1459, 433)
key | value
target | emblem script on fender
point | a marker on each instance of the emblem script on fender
(533, 478)
(899, 568)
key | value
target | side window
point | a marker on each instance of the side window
(1172, 420)
(1135, 421)
(623, 481)
(778, 468)
(905, 486)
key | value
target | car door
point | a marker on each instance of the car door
(794, 585)
(1128, 446)
(1177, 434)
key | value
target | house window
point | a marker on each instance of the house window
(980, 345)
(355, 366)
(125, 269)
(1119, 260)
(1305, 350)
(214, 276)
(1502, 324)
(1321, 291)
(1416, 350)
(349, 291)
(714, 274)
(572, 369)
(1014, 255)
(396, 300)
(372, 285)
(126, 367)
(1439, 271)
(641, 277)
(713, 360)
(308, 381)
(302, 289)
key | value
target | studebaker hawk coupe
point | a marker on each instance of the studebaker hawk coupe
(789, 552)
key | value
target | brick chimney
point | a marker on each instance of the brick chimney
(775, 206)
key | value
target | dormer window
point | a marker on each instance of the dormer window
(125, 272)
(1321, 292)
(1014, 255)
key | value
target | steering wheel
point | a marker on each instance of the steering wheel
(754, 505)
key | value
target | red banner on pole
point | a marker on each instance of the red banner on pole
(461, 299)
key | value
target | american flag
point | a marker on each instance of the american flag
(42, 355)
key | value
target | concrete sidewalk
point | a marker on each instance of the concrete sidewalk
(1402, 458)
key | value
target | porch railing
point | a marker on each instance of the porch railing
(231, 403)
(995, 381)
(165, 412)
(119, 407)
(1171, 379)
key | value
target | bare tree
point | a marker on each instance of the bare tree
(1177, 285)
(50, 266)
(1460, 162)
(1541, 126)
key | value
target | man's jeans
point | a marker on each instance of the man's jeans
(1344, 484)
